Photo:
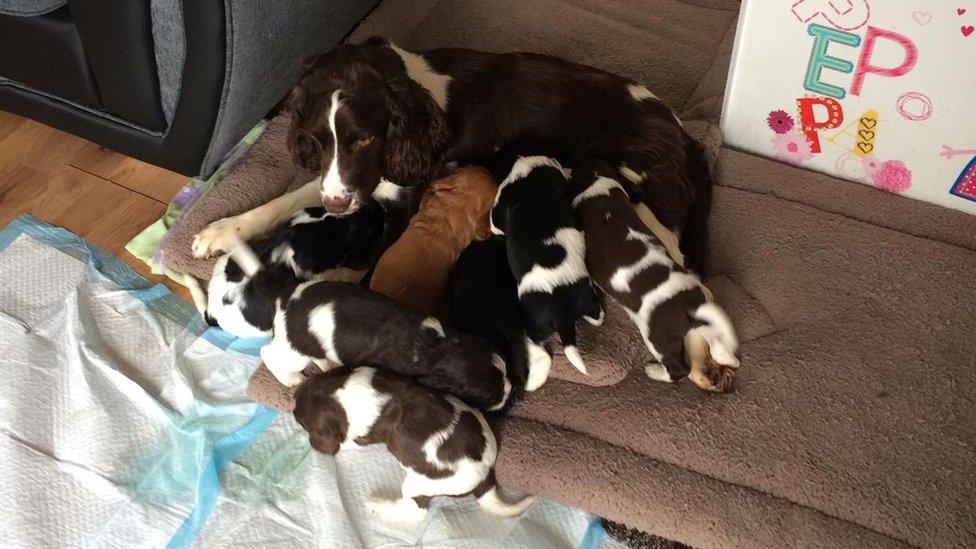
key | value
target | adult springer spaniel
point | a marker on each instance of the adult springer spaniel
(372, 113)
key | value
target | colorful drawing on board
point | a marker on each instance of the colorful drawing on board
(949, 152)
(914, 106)
(867, 133)
(889, 175)
(965, 186)
(847, 14)
(851, 167)
(922, 18)
(792, 147)
(780, 121)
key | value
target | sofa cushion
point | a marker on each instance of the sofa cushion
(29, 8)
(45, 54)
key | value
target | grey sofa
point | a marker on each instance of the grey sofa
(173, 82)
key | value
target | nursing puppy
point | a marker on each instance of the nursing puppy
(453, 212)
(315, 245)
(338, 323)
(670, 306)
(445, 446)
(484, 301)
(546, 252)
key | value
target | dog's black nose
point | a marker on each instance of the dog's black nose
(337, 205)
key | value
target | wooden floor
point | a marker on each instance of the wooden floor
(67, 181)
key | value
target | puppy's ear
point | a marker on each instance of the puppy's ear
(418, 132)
(483, 232)
(326, 443)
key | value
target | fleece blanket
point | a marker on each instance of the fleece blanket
(123, 422)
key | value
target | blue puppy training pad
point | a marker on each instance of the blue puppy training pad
(124, 423)
(117, 412)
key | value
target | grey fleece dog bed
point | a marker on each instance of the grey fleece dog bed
(852, 419)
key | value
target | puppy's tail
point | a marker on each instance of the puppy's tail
(491, 501)
(242, 254)
(567, 335)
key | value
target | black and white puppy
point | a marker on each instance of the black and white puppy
(546, 252)
(316, 244)
(446, 447)
(483, 300)
(339, 323)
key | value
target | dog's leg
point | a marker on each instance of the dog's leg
(669, 238)
(658, 372)
(219, 235)
(539, 364)
(284, 362)
(196, 292)
(324, 364)
(406, 508)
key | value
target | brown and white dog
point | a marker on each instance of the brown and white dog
(683, 329)
(372, 116)
(446, 447)
(453, 212)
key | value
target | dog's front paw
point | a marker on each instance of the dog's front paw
(714, 377)
(219, 236)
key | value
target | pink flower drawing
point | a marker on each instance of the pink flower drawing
(891, 175)
(780, 122)
(792, 147)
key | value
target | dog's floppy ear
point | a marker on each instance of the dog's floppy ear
(418, 132)
(301, 145)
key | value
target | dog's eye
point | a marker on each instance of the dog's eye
(362, 142)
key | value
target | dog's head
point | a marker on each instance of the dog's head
(319, 413)
(357, 118)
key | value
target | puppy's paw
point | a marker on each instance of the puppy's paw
(396, 510)
(219, 236)
(658, 372)
(714, 377)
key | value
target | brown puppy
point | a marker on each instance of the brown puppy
(453, 212)
(687, 333)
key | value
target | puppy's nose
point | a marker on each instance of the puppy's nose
(337, 204)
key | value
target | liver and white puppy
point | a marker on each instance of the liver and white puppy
(546, 252)
(446, 447)
(315, 245)
(338, 323)
(484, 301)
(453, 212)
(671, 307)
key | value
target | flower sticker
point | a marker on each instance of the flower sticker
(780, 122)
(891, 175)
(792, 147)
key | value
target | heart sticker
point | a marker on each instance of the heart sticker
(966, 31)
(868, 123)
(866, 135)
(961, 11)
(865, 147)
